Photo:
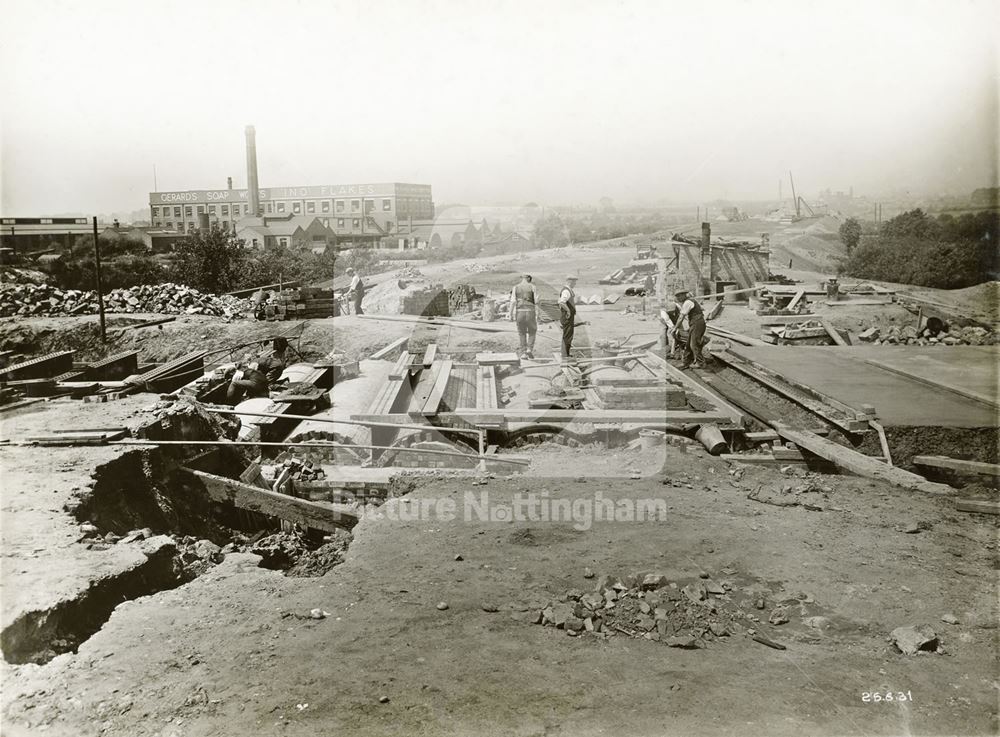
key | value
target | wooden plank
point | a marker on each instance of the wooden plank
(785, 319)
(956, 464)
(424, 386)
(730, 335)
(857, 463)
(401, 367)
(834, 333)
(859, 303)
(498, 359)
(762, 437)
(796, 299)
(960, 391)
(499, 417)
(715, 311)
(979, 506)
(414, 319)
(430, 353)
(882, 439)
(398, 343)
(492, 392)
(433, 402)
(319, 515)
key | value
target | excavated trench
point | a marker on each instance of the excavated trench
(144, 499)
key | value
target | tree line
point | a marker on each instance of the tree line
(944, 252)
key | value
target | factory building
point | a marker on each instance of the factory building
(27, 236)
(358, 214)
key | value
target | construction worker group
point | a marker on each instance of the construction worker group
(524, 312)
(683, 319)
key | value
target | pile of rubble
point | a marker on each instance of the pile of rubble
(168, 299)
(409, 272)
(909, 335)
(477, 268)
(678, 614)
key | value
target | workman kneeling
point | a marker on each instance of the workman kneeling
(255, 378)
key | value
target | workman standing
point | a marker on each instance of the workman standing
(567, 314)
(692, 318)
(254, 378)
(356, 291)
(523, 306)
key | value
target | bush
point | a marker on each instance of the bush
(945, 253)
(124, 263)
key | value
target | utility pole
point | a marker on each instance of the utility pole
(100, 289)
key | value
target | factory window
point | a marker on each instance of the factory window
(340, 222)
(225, 209)
(283, 241)
(188, 212)
(225, 225)
(386, 205)
(177, 212)
(310, 206)
(388, 225)
(356, 223)
(211, 209)
(281, 207)
(201, 209)
(340, 205)
(325, 207)
(156, 211)
(246, 210)
(296, 207)
(270, 207)
(369, 206)
(326, 222)
(355, 205)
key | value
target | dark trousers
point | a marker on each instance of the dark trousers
(696, 337)
(567, 337)
(527, 327)
(357, 304)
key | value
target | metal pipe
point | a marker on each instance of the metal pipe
(456, 454)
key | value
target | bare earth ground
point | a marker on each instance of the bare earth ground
(228, 653)
(233, 653)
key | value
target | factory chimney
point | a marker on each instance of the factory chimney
(229, 183)
(252, 186)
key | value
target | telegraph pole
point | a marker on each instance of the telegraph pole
(100, 290)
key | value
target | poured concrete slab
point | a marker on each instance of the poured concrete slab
(847, 374)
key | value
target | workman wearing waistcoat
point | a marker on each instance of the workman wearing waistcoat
(567, 314)
(692, 317)
(523, 305)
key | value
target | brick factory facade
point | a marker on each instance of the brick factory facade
(357, 213)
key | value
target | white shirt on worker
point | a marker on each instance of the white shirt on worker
(355, 280)
(686, 307)
(565, 296)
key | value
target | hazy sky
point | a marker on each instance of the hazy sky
(547, 100)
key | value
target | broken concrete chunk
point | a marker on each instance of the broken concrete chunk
(685, 642)
(653, 581)
(779, 615)
(695, 592)
(489, 606)
(949, 619)
(913, 639)
(714, 588)
(718, 629)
